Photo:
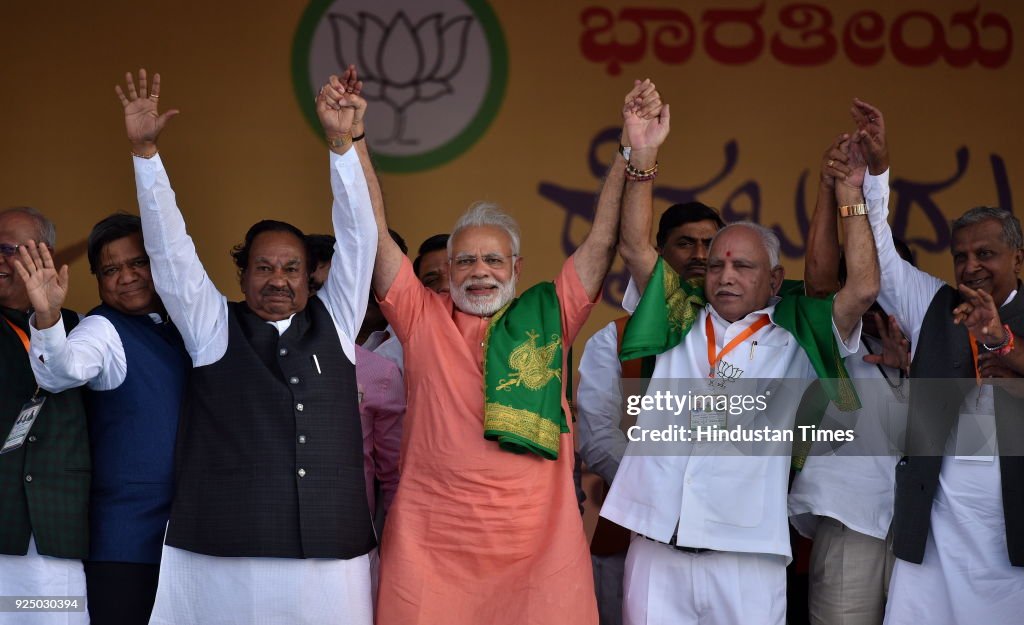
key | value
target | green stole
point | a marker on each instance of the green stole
(523, 374)
(670, 305)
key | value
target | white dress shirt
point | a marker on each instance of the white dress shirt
(855, 485)
(716, 500)
(198, 588)
(92, 354)
(385, 343)
(599, 401)
(966, 574)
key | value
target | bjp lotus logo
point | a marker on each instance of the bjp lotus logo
(382, 53)
(434, 75)
(725, 373)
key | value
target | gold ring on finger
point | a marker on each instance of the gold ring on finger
(830, 163)
(154, 96)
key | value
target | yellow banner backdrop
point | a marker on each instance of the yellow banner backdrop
(514, 102)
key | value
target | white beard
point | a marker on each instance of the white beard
(483, 307)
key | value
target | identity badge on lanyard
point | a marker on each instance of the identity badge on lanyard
(712, 414)
(29, 412)
(23, 424)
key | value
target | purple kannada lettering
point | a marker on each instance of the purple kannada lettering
(744, 202)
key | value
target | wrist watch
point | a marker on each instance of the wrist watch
(853, 210)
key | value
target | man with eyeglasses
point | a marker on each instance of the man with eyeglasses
(44, 458)
(133, 412)
(485, 527)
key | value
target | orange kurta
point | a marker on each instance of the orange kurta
(476, 535)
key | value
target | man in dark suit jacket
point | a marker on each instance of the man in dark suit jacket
(44, 480)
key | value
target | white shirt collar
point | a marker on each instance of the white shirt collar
(283, 324)
(767, 310)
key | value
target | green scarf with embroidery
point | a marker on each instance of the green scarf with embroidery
(523, 374)
(670, 305)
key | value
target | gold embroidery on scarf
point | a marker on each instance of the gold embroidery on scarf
(848, 400)
(522, 423)
(682, 308)
(530, 364)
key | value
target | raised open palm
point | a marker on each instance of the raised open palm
(142, 119)
(47, 287)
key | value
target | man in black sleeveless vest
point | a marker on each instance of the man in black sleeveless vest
(44, 480)
(270, 514)
(958, 528)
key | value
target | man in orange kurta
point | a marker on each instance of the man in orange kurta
(478, 535)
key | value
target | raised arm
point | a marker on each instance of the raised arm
(905, 291)
(193, 302)
(92, 353)
(646, 135)
(348, 283)
(388, 255)
(821, 264)
(594, 256)
(861, 288)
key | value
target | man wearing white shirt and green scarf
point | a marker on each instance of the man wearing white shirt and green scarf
(713, 540)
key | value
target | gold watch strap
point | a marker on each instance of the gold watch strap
(339, 142)
(853, 210)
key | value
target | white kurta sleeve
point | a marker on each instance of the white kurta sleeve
(198, 309)
(906, 291)
(348, 284)
(599, 399)
(92, 354)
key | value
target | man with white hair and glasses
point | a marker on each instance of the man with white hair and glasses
(44, 450)
(485, 527)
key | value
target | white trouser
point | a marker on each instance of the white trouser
(664, 586)
(33, 575)
(207, 590)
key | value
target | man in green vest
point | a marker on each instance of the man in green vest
(44, 461)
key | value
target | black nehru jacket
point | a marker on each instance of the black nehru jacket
(269, 458)
(943, 351)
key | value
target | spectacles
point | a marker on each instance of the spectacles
(9, 249)
(494, 261)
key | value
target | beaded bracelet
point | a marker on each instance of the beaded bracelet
(641, 175)
(1007, 344)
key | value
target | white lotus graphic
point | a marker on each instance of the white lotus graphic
(402, 63)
